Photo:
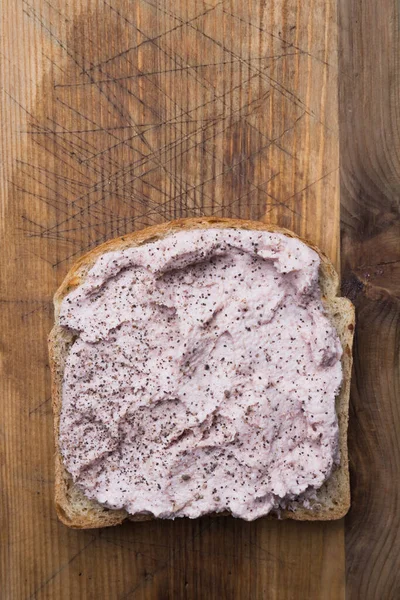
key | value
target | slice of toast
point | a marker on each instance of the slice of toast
(332, 499)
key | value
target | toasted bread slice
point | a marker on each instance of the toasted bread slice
(333, 498)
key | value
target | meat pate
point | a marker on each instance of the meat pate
(202, 377)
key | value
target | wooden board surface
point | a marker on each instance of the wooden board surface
(116, 114)
(370, 142)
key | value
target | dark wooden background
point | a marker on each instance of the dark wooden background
(370, 248)
(261, 107)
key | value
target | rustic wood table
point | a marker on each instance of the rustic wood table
(116, 114)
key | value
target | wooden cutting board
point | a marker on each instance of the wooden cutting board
(118, 114)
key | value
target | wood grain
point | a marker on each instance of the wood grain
(117, 114)
(370, 142)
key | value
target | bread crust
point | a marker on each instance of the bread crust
(333, 498)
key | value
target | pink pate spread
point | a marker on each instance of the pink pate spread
(202, 378)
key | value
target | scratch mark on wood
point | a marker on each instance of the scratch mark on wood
(60, 569)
